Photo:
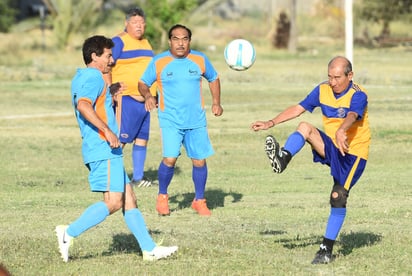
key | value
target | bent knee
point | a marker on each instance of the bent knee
(338, 197)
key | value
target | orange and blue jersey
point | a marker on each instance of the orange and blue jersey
(335, 108)
(131, 57)
(179, 83)
(88, 85)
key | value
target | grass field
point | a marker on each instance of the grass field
(262, 223)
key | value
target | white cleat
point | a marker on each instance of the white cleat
(159, 252)
(65, 241)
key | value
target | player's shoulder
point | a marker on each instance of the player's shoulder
(197, 53)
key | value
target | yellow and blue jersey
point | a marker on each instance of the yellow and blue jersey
(179, 83)
(88, 85)
(131, 58)
(335, 108)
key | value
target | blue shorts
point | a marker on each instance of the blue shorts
(107, 175)
(346, 170)
(196, 142)
(134, 120)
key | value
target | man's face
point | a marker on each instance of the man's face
(135, 26)
(103, 62)
(179, 43)
(337, 79)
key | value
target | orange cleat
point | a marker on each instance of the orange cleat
(200, 207)
(162, 205)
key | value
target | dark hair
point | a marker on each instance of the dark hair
(95, 44)
(179, 26)
(348, 67)
(135, 11)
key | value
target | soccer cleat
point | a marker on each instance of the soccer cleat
(279, 158)
(323, 256)
(142, 183)
(64, 240)
(200, 207)
(162, 205)
(159, 252)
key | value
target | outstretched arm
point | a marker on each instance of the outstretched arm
(286, 115)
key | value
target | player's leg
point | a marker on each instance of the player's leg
(171, 142)
(280, 156)
(139, 150)
(198, 148)
(136, 224)
(101, 173)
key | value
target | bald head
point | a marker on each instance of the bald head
(339, 74)
(342, 62)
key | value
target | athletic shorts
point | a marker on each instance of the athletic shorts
(107, 175)
(346, 170)
(195, 141)
(134, 120)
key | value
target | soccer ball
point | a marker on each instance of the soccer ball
(240, 54)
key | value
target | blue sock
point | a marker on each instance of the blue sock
(294, 143)
(139, 158)
(335, 222)
(165, 175)
(199, 176)
(92, 216)
(135, 222)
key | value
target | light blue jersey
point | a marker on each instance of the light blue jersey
(179, 82)
(88, 85)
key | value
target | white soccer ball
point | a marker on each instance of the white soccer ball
(240, 54)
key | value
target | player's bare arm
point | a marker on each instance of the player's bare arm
(286, 115)
(150, 101)
(86, 110)
(340, 135)
(214, 87)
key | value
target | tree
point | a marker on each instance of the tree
(72, 16)
(384, 12)
(7, 14)
(162, 14)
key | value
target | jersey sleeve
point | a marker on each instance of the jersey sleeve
(210, 73)
(149, 75)
(358, 103)
(117, 49)
(312, 100)
(91, 88)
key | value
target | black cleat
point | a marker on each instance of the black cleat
(323, 256)
(279, 158)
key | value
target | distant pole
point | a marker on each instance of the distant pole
(349, 30)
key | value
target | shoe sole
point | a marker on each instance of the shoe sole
(272, 149)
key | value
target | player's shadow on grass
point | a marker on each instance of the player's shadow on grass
(125, 243)
(353, 240)
(151, 174)
(215, 198)
(347, 242)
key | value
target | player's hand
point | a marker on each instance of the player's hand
(261, 125)
(342, 141)
(217, 109)
(112, 138)
(150, 103)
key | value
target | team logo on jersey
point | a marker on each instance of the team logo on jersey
(341, 112)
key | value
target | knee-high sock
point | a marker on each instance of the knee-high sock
(139, 158)
(335, 222)
(165, 175)
(199, 176)
(93, 215)
(294, 143)
(135, 222)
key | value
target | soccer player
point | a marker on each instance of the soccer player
(102, 154)
(343, 145)
(132, 53)
(182, 118)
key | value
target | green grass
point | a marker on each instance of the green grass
(262, 223)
